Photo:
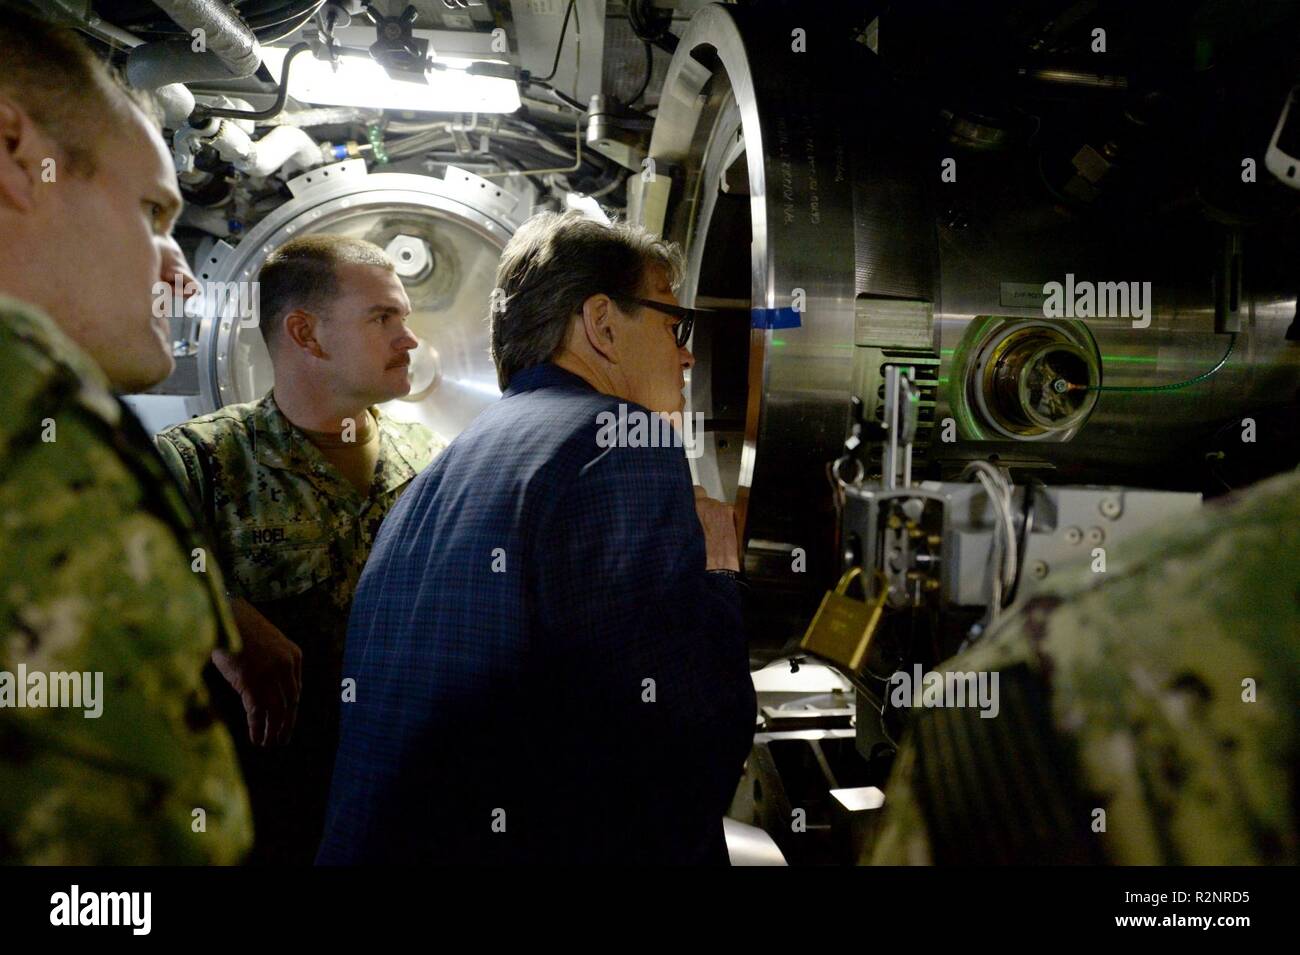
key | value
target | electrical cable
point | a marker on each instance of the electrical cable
(274, 32)
(1003, 562)
(530, 145)
(1176, 386)
(275, 108)
(999, 492)
(577, 161)
(657, 33)
(564, 28)
(649, 70)
(532, 152)
(1026, 528)
(562, 95)
(544, 81)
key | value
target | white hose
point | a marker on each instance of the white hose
(1004, 561)
(284, 147)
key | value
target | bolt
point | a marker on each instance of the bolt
(1073, 535)
(1096, 535)
(1039, 569)
(1110, 508)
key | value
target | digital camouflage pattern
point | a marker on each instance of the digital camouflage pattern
(293, 536)
(96, 546)
(285, 520)
(1149, 669)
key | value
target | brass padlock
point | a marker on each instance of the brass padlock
(842, 628)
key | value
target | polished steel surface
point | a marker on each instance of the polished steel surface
(1007, 237)
(750, 845)
(445, 235)
(828, 191)
(765, 215)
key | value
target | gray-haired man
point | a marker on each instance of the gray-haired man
(549, 628)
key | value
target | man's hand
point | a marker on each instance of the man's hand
(721, 543)
(267, 675)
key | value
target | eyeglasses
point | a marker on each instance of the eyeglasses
(686, 316)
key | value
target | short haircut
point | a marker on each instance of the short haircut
(74, 97)
(554, 263)
(303, 274)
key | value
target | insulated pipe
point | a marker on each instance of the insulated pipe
(282, 146)
(177, 104)
(152, 65)
(225, 34)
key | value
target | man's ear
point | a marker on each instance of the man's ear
(300, 326)
(598, 325)
(23, 148)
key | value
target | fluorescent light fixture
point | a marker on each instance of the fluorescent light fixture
(363, 82)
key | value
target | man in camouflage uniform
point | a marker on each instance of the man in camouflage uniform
(1148, 714)
(294, 488)
(103, 569)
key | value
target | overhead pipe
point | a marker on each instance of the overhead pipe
(226, 35)
(156, 64)
(232, 53)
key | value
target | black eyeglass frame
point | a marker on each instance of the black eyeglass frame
(682, 331)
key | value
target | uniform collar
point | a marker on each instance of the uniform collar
(395, 466)
(279, 443)
(545, 375)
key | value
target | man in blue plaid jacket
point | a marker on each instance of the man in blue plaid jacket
(545, 659)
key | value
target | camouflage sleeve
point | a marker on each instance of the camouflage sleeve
(181, 458)
(903, 838)
(1171, 690)
(109, 750)
(421, 444)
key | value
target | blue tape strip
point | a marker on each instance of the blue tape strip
(774, 318)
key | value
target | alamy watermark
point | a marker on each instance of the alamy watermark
(1086, 299)
(38, 689)
(75, 907)
(636, 428)
(954, 688)
(239, 301)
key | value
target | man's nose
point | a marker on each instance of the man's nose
(408, 339)
(174, 266)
